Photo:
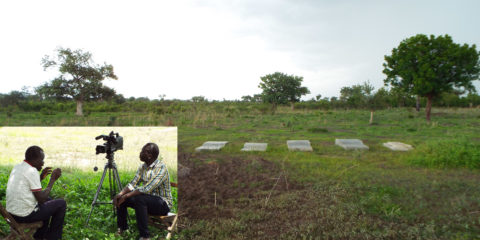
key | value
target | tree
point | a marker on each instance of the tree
(356, 95)
(428, 66)
(199, 99)
(80, 78)
(280, 88)
(12, 98)
(377, 100)
(362, 96)
(247, 98)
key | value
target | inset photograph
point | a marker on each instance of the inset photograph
(88, 182)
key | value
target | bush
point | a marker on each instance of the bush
(263, 108)
(318, 130)
(159, 110)
(458, 153)
(47, 111)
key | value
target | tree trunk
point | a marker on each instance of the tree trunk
(292, 105)
(417, 106)
(79, 108)
(371, 117)
(428, 108)
(274, 108)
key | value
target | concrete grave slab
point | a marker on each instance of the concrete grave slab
(262, 147)
(299, 145)
(211, 146)
(351, 144)
(398, 146)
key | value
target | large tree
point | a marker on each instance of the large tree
(80, 78)
(428, 66)
(280, 88)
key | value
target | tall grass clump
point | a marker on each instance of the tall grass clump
(454, 153)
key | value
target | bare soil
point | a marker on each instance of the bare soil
(205, 192)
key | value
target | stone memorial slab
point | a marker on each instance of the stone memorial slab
(351, 144)
(262, 147)
(211, 146)
(299, 145)
(398, 146)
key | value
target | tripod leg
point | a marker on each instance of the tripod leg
(96, 194)
(112, 189)
(116, 182)
(117, 177)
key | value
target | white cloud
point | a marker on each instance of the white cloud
(219, 49)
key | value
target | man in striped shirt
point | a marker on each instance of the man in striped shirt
(152, 198)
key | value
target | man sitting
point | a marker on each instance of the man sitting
(153, 198)
(26, 201)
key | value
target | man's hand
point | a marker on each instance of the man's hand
(45, 172)
(116, 200)
(121, 200)
(56, 174)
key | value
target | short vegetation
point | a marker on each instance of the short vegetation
(430, 192)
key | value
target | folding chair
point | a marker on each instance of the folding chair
(169, 222)
(24, 231)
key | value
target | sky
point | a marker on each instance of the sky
(219, 49)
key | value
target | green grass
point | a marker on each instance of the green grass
(431, 192)
(454, 153)
(78, 189)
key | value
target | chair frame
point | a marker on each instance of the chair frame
(169, 221)
(24, 231)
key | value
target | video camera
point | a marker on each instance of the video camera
(113, 143)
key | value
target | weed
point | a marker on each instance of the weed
(318, 130)
(447, 154)
(78, 188)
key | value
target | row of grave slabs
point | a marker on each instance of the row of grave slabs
(304, 145)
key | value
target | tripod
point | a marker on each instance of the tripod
(114, 182)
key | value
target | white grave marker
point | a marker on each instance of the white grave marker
(299, 145)
(262, 147)
(212, 146)
(398, 146)
(351, 144)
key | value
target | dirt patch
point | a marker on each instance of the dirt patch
(216, 182)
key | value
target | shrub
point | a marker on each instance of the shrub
(318, 130)
(457, 153)
(263, 108)
(47, 111)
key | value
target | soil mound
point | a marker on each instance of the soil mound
(218, 183)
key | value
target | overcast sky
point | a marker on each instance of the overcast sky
(220, 49)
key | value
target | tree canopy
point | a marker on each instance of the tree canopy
(280, 88)
(80, 78)
(428, 66)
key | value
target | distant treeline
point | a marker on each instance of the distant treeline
(349, 99)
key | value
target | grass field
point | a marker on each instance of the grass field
(73, 150)
(74, 147)
(431, 192)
